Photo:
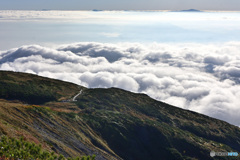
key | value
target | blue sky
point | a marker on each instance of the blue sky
(120, 5)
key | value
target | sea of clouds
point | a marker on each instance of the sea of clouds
(199, 77)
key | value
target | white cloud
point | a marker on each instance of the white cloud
(202, 78)
(110, 35)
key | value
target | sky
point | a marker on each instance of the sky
(229, 5)
(50, 27)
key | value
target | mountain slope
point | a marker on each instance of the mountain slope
(34, 89)
(110, 123)
(151, 128)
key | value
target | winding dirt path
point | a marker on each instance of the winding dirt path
(74, 98)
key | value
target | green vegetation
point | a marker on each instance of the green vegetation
(11, 148)
(26, 92)
(34, 89)
(136, 126)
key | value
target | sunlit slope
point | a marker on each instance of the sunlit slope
(55, 123)
(110, 123)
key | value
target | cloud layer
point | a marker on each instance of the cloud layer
(202, 78)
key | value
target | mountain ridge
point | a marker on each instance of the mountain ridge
(110, 123)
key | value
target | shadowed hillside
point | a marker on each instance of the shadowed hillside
(34, 89)
(110, 123)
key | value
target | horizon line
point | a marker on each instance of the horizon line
(99, 10)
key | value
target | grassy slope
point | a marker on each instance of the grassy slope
(110, 123)
(16, 149)
(34, 89)
(138, 127)
(54, 124)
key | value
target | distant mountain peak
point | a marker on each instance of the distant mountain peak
(191, 10)
(96, 10)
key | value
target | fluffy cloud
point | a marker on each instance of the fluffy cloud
(202, 78)
(111, 53)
